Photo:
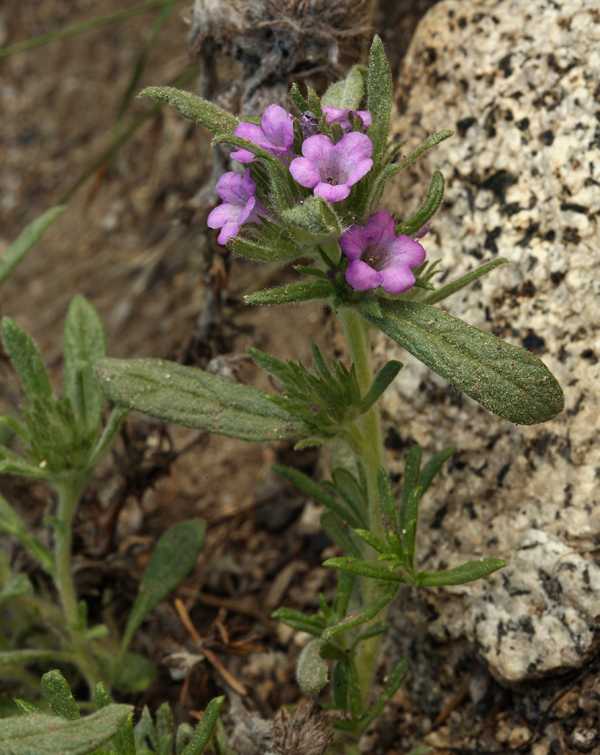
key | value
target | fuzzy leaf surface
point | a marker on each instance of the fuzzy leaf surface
(193, 398)
(172, 559)
(293, 293)
(195, 109)
(347, 93)
(468, 572)
(48, 735)
(505, 379)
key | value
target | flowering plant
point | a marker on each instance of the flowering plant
(311, 189)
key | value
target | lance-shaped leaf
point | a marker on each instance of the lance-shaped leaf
(293, 293)
(26, 240)
(465, 280)
(205, 728)
(382, 380)
(363, 569)
(59, 696)
(505, 379)
(347, 93)
(468, 572)
(26, 360)
(296, 620)
(193, 398)
(380, 93)
(195, 109)
(433, 466)
(365, 614)
(173, 557)
(296, 97)
(123, 741)
(316, 491)
(48, 735)
(386, 502)
(84, 344)
(254, 250)
(430, 142)
(428, 209)
(395, 679)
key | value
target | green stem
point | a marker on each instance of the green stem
(69, 490)
(359, 345)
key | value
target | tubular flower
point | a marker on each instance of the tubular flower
(337, 115)
(331, 169)
(275, 134)
(379, 258)
(239, 205)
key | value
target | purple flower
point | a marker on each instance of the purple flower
(378, 258)
(275, 134)
(331, 169)
(337, 115)
(239, 205)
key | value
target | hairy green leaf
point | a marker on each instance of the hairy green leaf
(363, 569)
(503, 378)
(365, 614)
(433, 466)
(465, 280)
(382, 380)
(312, 221)
(395, 679)
(205, 728)
(428, 209)
(59, 696)
(48, 735)
(311, 671)
(258, 252)
(193, 398)
(195, 109)
(172, 559)
(296, 620)
(26, 360)
(347, 93)
(84, 344)
(333, 527)
(293, 293)
(468, 572)
(380, 94)
(430, 142)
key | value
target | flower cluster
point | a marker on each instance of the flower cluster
(330, 167)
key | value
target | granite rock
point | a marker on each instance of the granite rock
(519, 82)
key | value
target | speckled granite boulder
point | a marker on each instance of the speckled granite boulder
(519, 82)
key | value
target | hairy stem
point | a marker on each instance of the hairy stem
(371, 447)
(69, 490)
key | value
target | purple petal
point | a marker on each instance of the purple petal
(321, 150)
(248, 184)
(422, 231)
(365, 117)
(222, 214)
(380, 229)
(303, 170)
(247, 211)
(407, 252)
(278, 126)
(353, 242)
(230, 188)
(332, 193)
(362, 277)
(333, 112)
(242, 155)
(396, 280)
(360, 170)
(228, 231)
(355, 147)
(249, 131)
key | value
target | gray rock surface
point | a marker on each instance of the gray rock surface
(519, 82)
